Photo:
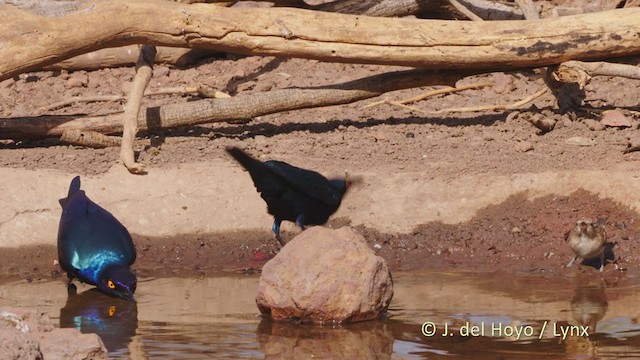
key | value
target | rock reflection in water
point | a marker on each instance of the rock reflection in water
(114, 320)
(363, 340)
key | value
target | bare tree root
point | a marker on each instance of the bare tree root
(132, 108)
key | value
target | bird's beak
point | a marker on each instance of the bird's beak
(583, 226)
(127, 295)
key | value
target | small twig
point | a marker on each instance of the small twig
(527, 99)
(132, 108)
(529, 9)
(90, 139)
(476, 108)
(466, 12)
(446, 90)
(399, 104)
(164, 91)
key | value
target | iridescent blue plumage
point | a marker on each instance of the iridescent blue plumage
(94, 246)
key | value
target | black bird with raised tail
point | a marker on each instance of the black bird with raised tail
(94, 247)
(291, 193)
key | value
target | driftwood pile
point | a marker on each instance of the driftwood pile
(65, 36)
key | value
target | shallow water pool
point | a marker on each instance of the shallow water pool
(433, 315)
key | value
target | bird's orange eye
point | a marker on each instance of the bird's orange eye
(111, 285)
(112, 310)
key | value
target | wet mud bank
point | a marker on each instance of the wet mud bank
(518, 235)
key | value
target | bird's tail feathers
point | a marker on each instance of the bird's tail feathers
(74, 187)
(246, 160)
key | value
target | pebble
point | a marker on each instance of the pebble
(264, 87)
(5, 84)
(580, 141)
(523, 146)
(594, 125)
(160, 71)
(76, 81)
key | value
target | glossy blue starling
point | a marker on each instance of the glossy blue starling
(94, 247)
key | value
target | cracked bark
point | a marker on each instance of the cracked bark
(314, 34)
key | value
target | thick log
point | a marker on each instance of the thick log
(29, 42)
(238, 109)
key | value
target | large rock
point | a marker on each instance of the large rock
(28, 334)
(325, 275)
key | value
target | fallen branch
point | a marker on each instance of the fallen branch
(568, 80)
(492, 10)
(581, 72)
(466, 12)
(144, 69)
(529, 9)
(381, 8)
(90, 139)
(313, 34)
(239, 109)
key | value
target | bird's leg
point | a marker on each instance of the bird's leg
(71, 287)
(602, 262)
(276, 230)
(72, 290)
(572, 261)
(615, 263)
(300, 221)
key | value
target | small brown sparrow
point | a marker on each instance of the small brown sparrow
(587, 240)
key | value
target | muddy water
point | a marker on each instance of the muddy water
(433, 315)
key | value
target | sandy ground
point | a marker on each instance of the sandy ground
(426, 177)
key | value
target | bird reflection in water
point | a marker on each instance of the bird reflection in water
(589, 305)
(115, 320)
